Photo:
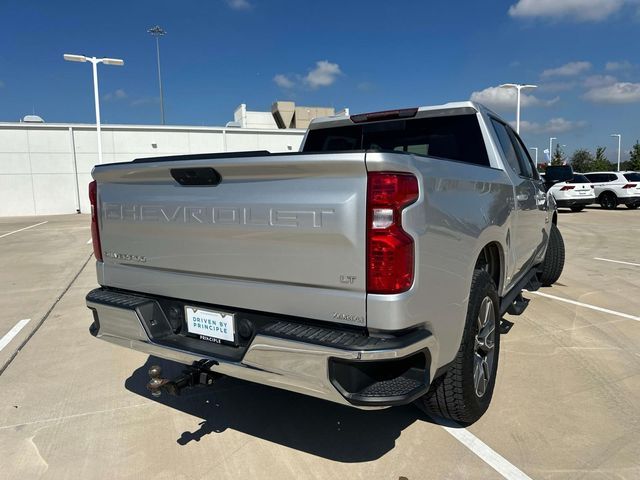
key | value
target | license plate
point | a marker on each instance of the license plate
(211, 325)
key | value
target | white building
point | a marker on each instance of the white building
(244, 118)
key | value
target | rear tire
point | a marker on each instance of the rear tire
(464, 392)
(608, 201)
(577, 208)
(554, 258)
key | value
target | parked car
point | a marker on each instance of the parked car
(371, 269)
(614, 188)
(575, 194)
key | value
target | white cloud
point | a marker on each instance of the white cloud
(599, 81)
(613, 66)
(145, 101)
(505, 98)
(119, 94)
(556, 86)
(578, 10)
(323, 75)
(554, 125)
(283, 81)
(620, 92)
(567, 70)
(239, 4)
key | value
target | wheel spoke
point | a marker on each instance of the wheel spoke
(485, 376)
(488, 307)
(477, 373)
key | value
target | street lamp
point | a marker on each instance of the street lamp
(619, 145)
(158, 32)
(518, 87)
(536, 149)
(94, 62)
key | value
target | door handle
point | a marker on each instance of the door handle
(522, 197)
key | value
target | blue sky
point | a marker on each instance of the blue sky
(365, 55)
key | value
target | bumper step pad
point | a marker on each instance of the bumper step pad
(116, 299)
(396, 387)
(323, 336)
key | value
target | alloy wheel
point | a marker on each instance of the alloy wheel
(484, 351)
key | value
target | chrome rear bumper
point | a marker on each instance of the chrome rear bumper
(278, 362)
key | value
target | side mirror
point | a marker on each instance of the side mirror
(555, 174)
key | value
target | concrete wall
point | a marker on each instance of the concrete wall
(45, 168)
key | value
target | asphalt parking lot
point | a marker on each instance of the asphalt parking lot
(566, 404)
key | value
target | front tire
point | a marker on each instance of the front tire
(608, 201)
(464, 392)
(577, 208)
(554, 258)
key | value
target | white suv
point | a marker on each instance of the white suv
(613, 188)
(575, 194)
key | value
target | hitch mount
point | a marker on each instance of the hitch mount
(197, 374)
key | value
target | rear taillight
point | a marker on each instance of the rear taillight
(390, 250)
(630, 185)
(95, 231)
(567, 187)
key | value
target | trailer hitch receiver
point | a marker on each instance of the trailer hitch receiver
(193, 376)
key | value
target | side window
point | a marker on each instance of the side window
(611, 177)
(601, 177)
(527, 164)
(507, 146)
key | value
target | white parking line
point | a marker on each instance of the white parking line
(487, 454)
(4, 341)
(25, 228)
(617, 261)
(586, 305)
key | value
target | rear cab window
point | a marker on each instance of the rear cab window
(455, 137)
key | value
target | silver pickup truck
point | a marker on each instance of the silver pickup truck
(370, 269)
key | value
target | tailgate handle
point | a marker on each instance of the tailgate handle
(196, 177)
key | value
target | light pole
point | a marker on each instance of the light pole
(94, 62)
(518, 87)
(536, 149)
(619, 146)
(551, 139)
(158, 32)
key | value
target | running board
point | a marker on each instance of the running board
(518, 306)
(513, 302)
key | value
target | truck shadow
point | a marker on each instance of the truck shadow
(303, 423)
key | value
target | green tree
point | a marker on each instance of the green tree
(582, 160)
(601, 162)
(634, 157)
(559, 157)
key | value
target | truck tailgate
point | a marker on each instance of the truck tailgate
(279, 233)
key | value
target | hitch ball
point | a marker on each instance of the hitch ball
(155, 384)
